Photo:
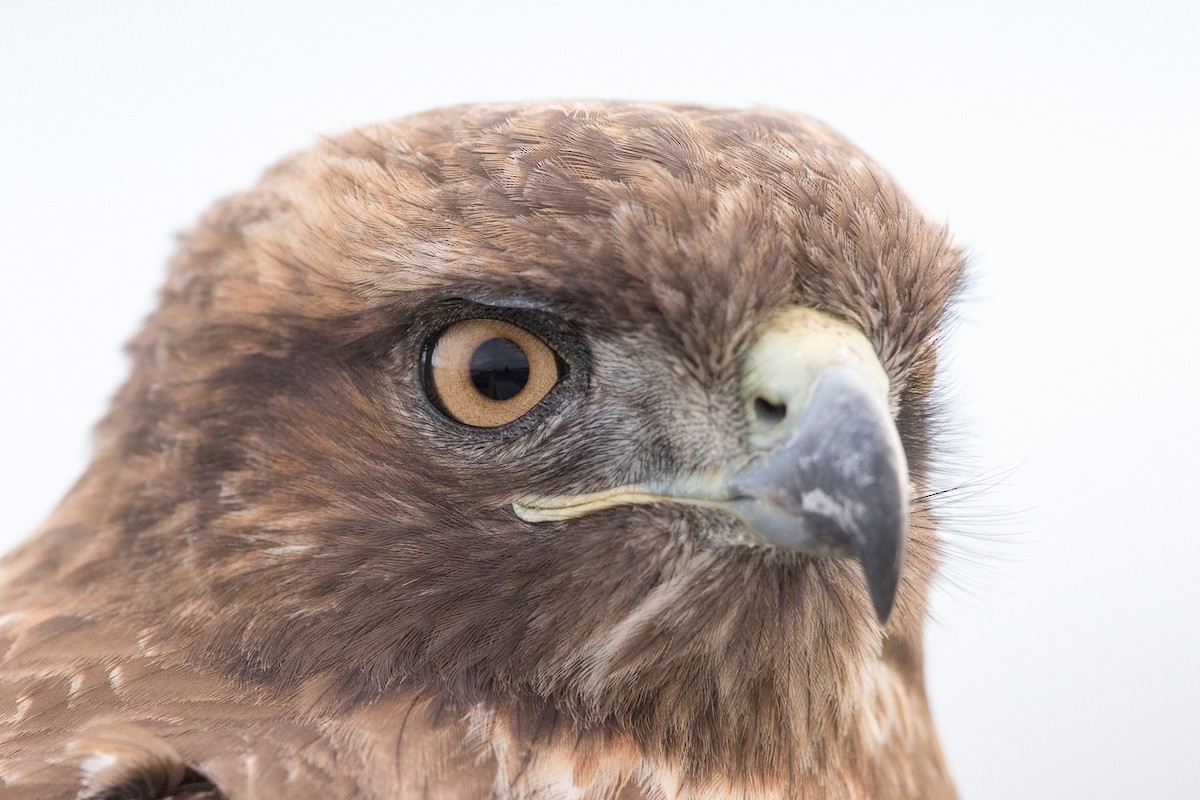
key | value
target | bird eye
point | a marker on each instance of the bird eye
(486, 372)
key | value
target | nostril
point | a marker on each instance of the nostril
(767, 413)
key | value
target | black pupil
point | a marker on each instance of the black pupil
(499, 369)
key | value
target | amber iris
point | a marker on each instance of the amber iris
(487, 372)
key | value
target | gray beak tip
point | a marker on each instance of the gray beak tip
(882, 589)
(882, 559)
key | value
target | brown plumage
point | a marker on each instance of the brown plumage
(287, 573)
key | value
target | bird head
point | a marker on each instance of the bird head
(596, 406)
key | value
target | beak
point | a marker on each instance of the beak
(836, 485)
(827, 474)
(830, 478)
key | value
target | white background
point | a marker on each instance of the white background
(1060, 141)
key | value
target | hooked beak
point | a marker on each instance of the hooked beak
(827, 477)
(836, 485)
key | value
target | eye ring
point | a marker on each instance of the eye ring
(485, 372)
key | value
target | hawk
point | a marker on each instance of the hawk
(534, 451)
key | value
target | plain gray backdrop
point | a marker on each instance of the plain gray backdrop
(1059, 140)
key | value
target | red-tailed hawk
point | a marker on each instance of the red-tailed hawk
(540, 451)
